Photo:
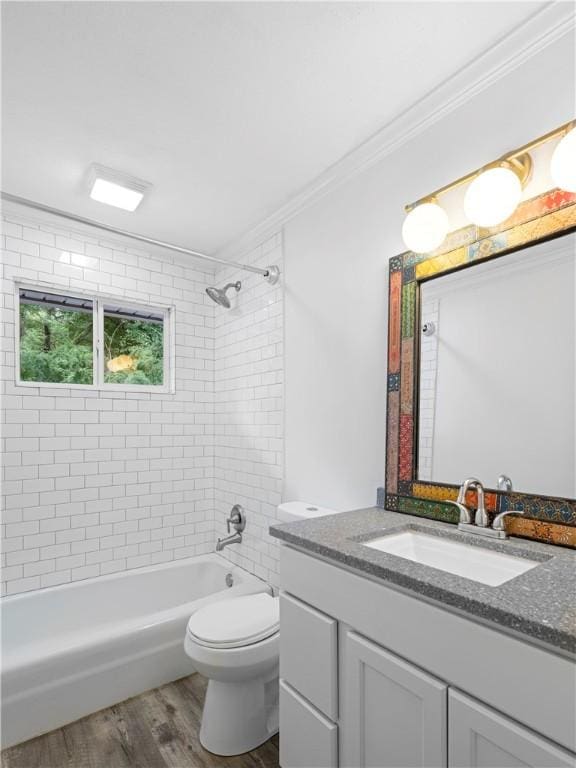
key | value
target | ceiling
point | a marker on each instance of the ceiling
(227, 108)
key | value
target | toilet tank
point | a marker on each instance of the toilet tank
(291, 511)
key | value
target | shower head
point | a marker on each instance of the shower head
(219, 294)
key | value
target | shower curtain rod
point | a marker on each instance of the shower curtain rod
(270, 274)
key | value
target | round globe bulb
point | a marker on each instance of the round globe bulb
(425, 228)
(563, 163)
(492, 197)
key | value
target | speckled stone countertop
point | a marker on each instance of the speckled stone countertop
(539, 605)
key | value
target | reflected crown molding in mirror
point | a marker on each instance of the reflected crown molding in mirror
(546, 518)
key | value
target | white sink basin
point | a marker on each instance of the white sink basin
(476, 563)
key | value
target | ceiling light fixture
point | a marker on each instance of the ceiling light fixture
(494, 191)
(115, 188)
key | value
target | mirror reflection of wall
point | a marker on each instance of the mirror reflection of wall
(498, 372)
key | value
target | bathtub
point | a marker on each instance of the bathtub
(71, 650)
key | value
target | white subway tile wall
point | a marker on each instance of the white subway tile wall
(428, 372)
(249, 409)
(96, 481)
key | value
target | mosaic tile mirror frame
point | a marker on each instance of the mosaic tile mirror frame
(548, 519)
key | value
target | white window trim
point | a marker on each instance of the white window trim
(99, 300)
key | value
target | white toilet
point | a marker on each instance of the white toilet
(235, 644)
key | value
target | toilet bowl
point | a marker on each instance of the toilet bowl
(235, 644)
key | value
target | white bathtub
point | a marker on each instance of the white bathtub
(71, 650)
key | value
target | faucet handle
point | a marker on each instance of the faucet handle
(465, 515)
(237, 519)
(499, 522)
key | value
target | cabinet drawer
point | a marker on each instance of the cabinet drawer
(309, 653)
(307, 738)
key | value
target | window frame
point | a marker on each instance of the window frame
(99, 300)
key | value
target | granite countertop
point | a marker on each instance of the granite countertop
(539, 605)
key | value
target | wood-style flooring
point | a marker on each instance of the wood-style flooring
(158, 729)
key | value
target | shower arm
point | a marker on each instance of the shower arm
(270, 274)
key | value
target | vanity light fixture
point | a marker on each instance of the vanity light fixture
(494, 191)
(425, 227)
(115, 188)
(563, 163)
(494, 194)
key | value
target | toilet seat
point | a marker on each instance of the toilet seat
(235, 623)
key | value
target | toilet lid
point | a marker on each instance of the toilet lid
(236, 622)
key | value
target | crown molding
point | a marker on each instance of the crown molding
(538, 32)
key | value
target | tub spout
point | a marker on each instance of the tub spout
(235, 538)
(237, 520)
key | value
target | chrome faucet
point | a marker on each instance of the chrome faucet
(237, 520)
(481, 518)
(481, 524)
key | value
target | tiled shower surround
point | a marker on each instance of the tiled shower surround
(249, 411)
(98, 481)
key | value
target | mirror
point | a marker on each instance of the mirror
(497, 372)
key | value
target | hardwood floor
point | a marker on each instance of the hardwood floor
(158, 729)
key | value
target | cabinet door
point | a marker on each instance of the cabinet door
(482, 738)
(393, 715)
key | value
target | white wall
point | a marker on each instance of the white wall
(98, 481)
(249, 410)
(336, 256)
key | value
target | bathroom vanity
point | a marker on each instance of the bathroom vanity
(388, 662)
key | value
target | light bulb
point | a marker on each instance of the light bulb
(492, 196)
(425, 228)
(563, 163)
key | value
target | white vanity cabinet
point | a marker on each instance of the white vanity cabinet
(375, 678)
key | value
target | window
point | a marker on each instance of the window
(133, 347)
(73, 340)
(56, 338)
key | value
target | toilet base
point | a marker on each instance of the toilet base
(239, 716)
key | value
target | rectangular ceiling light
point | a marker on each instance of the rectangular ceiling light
(115, 188)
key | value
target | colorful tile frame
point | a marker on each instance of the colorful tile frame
(551, 520)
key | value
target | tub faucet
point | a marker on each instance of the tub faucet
(237, 520)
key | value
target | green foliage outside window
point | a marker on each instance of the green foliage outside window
(134, 351)
(55, 345)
